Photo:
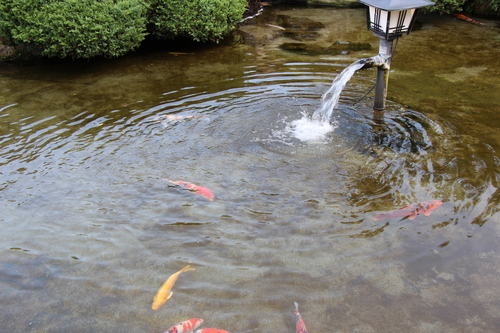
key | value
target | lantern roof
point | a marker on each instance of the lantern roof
(394, 5)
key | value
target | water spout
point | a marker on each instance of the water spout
(375, 61)
(331, 97)
(314, 128)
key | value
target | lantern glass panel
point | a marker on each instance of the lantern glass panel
(378, 20)
(400, 21)
(390, 24)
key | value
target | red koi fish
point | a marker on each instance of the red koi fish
(187, 326)
(300, 327)
(203, 191)
(211, 330)
(467, 19)
(412, 211)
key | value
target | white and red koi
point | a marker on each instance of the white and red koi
(412, 211)
(211, 330)
(300, 326)
(164, 293)
(187, 326)
(202, 191)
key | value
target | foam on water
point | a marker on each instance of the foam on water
(309, 130)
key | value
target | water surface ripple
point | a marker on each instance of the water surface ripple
(90, 228)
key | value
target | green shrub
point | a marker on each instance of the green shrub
(200, 20)
(455, 6)
(493, 4)
(74, 28)
(446, 6)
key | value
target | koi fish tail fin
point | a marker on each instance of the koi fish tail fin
(187, 269)
(380, 216)
(296, 306)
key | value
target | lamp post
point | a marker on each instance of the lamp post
(389, 19)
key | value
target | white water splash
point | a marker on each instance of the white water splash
(316, 127)
(308, 130)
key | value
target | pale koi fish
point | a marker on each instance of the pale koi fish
(164, 293)
(412, 211)
(187, 326)
(167, 120)
(211, 330)
(275, 26)
(300, 326)
(174, 117)
(203, 191)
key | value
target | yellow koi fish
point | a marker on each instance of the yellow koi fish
(165, 291)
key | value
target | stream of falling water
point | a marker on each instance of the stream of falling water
(314, 128)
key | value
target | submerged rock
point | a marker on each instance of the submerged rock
(315, 49)
(299, 28)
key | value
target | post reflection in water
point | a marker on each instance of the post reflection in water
(90, 229)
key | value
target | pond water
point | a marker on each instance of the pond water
(91, 230)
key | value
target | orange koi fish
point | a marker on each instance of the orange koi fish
(203, 191)
(300, 326)
(412, 211)
(211, 330)
(164, 293)
(187, 326)
(467, 19)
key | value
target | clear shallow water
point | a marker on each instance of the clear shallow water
(90, 230)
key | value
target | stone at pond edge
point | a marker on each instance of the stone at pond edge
(6, 51)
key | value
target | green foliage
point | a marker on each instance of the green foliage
(455, 6)
(493, 4)
(74, 28)
(201, 20)
(110, 28)
(446, 6)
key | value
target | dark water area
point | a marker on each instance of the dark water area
(91, 229)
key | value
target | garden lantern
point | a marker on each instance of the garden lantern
(389, 19)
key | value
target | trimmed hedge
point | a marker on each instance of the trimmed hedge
(200, 20)
(74, 28)
(110, 28)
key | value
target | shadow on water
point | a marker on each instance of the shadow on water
(90, 230)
